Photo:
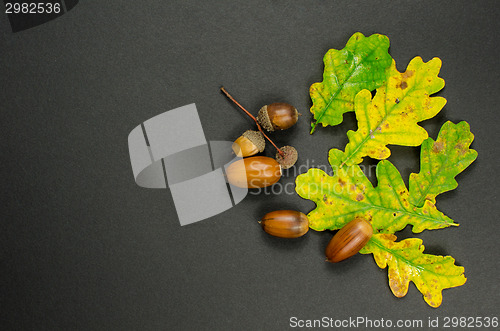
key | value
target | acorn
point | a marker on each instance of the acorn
(254, 172)
(289, 158)
(249, 143)
(349, 240)
(285, 223)
(277, 116)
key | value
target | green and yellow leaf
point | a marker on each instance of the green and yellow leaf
(392, 116)
(407, 262)
(441, 161)
(349, 194)
(362, 64)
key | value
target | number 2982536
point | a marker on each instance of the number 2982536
(33, 8)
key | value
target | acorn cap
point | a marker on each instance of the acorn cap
(290, 157)
(256, 138)
(264, 120)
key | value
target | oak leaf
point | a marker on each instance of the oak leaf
(407, 262)
(441, 161)
(391, 117)
(361, 64)
(348, 194)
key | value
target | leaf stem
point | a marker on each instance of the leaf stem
(252, 117)
(313, 127)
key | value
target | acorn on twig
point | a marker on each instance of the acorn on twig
(289, 157)
(249, 143)
(277, 116)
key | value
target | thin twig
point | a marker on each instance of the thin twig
(252, 117)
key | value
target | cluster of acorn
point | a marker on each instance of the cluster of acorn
(261, 171)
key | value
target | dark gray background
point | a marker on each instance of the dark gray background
(83, 247)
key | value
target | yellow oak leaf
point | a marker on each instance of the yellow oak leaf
(407, 262)
(391, 117)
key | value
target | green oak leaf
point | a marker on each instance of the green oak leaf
(407, 262)
(349, 194)
(441, 161)
(361, 64)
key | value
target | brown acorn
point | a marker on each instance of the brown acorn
(249, 143)
(289, 158)
(285, 223)
(277, 116)
(254, 172)
(349, 240)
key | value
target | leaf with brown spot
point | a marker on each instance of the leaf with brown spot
(407, 262)
(391, 117)
(441, 161)
(349, 194)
